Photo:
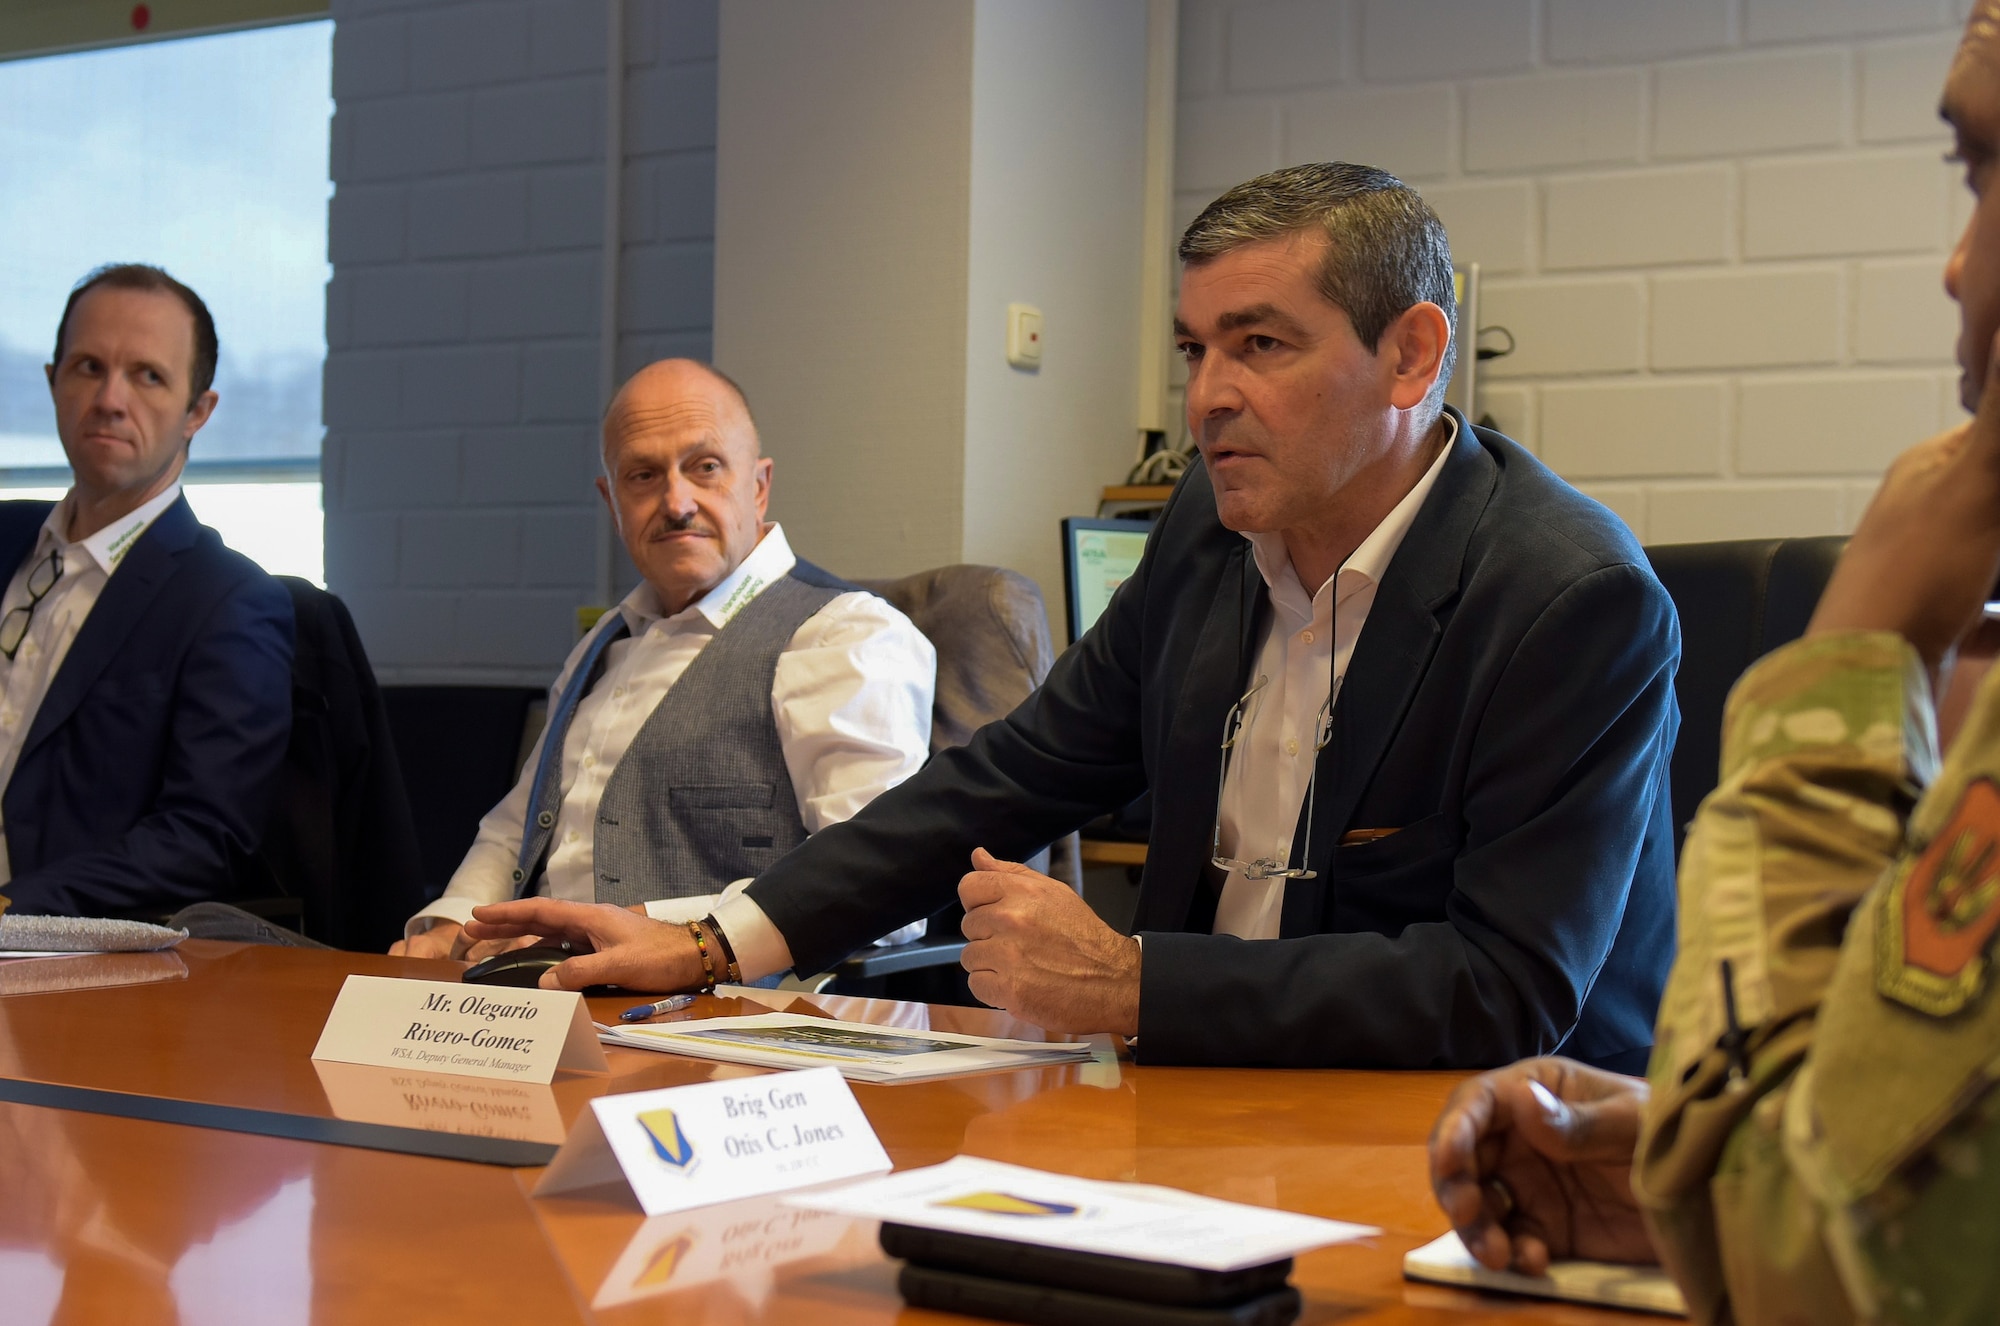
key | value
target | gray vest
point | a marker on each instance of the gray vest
(702, 795)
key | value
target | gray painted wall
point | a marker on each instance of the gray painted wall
(892, 174)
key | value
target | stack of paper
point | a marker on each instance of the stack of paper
(861, 1052)
(967, 1195)
(1647, 1288)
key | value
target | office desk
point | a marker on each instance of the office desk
(110, 1219)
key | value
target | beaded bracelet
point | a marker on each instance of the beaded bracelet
(707, 963)
(731, 970)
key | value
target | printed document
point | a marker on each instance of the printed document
(862, 1052)
(967, 1195)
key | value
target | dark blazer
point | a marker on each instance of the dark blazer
(148, 769)
(1508, 709)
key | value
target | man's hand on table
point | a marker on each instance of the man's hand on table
(468, 949)
(1533, 1163)
(436, 942)
(1039, 952)
(1923, 559)
(630, 949)
(447, 939)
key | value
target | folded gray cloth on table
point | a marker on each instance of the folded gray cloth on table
(83, 934)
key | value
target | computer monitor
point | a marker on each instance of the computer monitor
(1097, 557)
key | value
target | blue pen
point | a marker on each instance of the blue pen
(671, 1004)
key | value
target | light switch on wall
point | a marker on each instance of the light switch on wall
(1024, 336)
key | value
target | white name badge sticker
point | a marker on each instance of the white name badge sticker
(683, 1147)
(467, 1030)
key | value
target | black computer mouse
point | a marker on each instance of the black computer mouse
(519, 966)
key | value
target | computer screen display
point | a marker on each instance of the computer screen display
(1097, 557)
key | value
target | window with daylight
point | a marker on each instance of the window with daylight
(206, 156)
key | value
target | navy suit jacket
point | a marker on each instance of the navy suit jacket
(1508, 711)
(148, 770)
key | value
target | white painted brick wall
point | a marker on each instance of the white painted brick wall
(1902, 314)
(1219, 142)
(1888, 203)
(1596, 31)
(1747, 318)
(1808, 20)
(1618, 430)
(1291, 43)
(1716, 228)
(461, 380)
(1697, 513)
(1579, 326)
(1490, 224)
(1899, 87)
(1420, 39)
(1556, 119)
(1828, 424)
(1755, 103)
(1405, 130)
(1639, 218)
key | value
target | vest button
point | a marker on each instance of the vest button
(519, 876)
(546, 819)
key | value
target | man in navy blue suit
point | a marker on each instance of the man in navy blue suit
(1454, 852)
(145, 669)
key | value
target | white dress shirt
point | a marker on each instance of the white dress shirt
(1306, 647)
(87, 565)
(851, 698)
(1307, 644)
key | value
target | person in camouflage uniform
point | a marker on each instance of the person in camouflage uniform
(1819, 1140)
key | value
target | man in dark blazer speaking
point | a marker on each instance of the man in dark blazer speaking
(1403, 699)
(145, 669)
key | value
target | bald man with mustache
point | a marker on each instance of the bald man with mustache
(737, 700)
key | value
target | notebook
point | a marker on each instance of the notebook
(1445, 1261)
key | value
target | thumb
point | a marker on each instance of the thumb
(582, 971)
(985, 860)
(1565, 1130)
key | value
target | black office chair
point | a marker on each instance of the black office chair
(1738, 601)
(338, 859)
(461, 749)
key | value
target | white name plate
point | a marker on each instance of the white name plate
(467, 1030)
(683, 1147)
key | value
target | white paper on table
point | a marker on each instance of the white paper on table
(967, 1195)
(1445, 1261)
(861, 1051)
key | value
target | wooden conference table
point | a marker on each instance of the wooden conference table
(127, 1220)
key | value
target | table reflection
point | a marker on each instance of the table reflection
(749, 1244)
(441, 1102)
(88, 971)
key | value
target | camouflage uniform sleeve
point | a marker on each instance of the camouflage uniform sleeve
(1826, 744)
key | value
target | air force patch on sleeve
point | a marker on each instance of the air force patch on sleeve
(1938, 918)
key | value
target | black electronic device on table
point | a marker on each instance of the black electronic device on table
(1027, 1282)
(1044, 1305)
(518, 966)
